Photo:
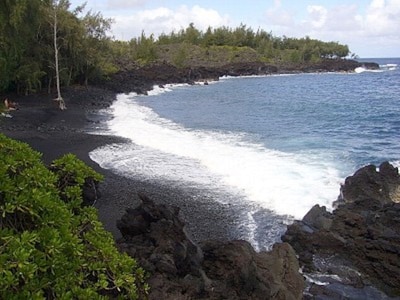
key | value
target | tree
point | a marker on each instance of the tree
(55, 7)
(44, 43)
(192, 34)
(95, 47)
(144, 48)
(19, 23)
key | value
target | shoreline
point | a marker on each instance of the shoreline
(41, 124)
(52, 132)
(213, 226)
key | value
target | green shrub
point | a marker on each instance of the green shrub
(53, 248)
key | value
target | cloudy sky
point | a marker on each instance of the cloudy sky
(371, 28)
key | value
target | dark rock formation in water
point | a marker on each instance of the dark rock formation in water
(351, 253)
(328, 65)
(141, 80)
(179, 269)
(360, 241)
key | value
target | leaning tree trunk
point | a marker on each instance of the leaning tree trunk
(59, 98)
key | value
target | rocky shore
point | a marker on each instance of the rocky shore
(355, 249)
(351, 253)
(343, 255)
(141, 80)
(180, 269)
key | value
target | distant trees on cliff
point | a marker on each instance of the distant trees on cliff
(265, 43)
(232, 41)
(86, 53)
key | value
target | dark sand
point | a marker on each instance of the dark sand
(54, 133)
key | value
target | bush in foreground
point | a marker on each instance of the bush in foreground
(51, 246)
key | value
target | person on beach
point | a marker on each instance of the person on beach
(10, 105)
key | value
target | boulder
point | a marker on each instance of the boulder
(318, 218)
(362, 234)
(377, 186)
(238, 272)
(179, 269)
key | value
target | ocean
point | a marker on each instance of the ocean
(272, 145)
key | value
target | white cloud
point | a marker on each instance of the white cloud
(124, 4)
(164, 20)
(278, 16)
(376, 28)
(344, 18)
(318, 15)
(339, 23)
(364, 32)
(383, 18)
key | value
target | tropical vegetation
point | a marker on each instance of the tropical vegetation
(52, 246)
(87, 53)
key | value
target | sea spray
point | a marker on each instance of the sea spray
(288, 184)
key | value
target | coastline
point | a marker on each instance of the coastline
(41, 124)
(54, 133)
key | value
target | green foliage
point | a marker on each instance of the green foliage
(87, 54)
(29, 77)
(268, 47)
(181, 57)
(26, 45)
(18, 29)
(143, 49)
(223, 45)
(51, 249)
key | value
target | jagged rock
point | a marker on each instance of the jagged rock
(162, 228)
(249, 68)
(318, 218)
(363, 232)
(179, 269)
(370, 184)
(235, 267)
(326, 65)
(142, 79)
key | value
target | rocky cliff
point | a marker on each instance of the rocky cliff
(350, 253)
(179, 269)
(142, 79)
(358, 244)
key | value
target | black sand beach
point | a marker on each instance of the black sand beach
(53, 132)
(363, 227)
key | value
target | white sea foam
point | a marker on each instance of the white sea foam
(229, 77)
(388, 67)
(396, 163)
(362, 70)
(158, 90)
(289, 184)
(382, 68)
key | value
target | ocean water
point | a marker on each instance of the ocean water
(274, 145)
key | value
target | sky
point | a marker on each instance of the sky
(371, 28)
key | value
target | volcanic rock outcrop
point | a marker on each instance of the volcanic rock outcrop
(359, 242)
(179, 269)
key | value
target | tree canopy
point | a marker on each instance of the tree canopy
(265, 43)
(27, 48)
(87, 53)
